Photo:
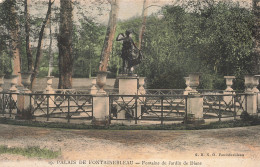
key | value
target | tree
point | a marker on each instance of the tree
(142, 29)
(27, 32)
(65, 45)
(39, 46)
(108, 42)
(13, 28)
(51, 57)
(256, 35)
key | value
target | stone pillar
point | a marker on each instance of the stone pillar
(100, 109)
(229, 90)
(195, 109)
(101, 102)
(93, 89)
(188, 88)
(127, 86)
(251, 106)
(24, 101)
(251, 97)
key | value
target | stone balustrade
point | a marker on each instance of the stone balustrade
(133, 85)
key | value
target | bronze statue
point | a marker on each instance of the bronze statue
(131, 55)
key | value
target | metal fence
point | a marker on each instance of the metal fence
(159, 108)
(148, 107)
(224, 106)
(47, 106)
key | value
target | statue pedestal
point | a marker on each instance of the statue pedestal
(128, 85)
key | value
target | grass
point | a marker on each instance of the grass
(213, 125)
(30, 152)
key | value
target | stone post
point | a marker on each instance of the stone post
(195, 108)
(251, 98)
(24, 101)
(127, 86)
(101, 102)
(100, 109)
(229, 90)
(195, 101)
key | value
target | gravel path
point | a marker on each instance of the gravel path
(218, 147)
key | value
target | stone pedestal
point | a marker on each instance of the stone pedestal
(195, 109)
(24, 101)
(128, 85)
(100, 109)
(251, 106)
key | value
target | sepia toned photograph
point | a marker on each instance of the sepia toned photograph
(129, 83)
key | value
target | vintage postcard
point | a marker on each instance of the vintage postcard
(129, 83)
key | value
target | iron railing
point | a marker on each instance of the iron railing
(224, 106)
(148, 107)
(138, 108)
(54, 106)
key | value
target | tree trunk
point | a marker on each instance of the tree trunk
(39, 47)
(65, 45)
(142, 29)
(27, 32)
(256, 35)
(14, 34)
(108, 42)
(50, 50)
